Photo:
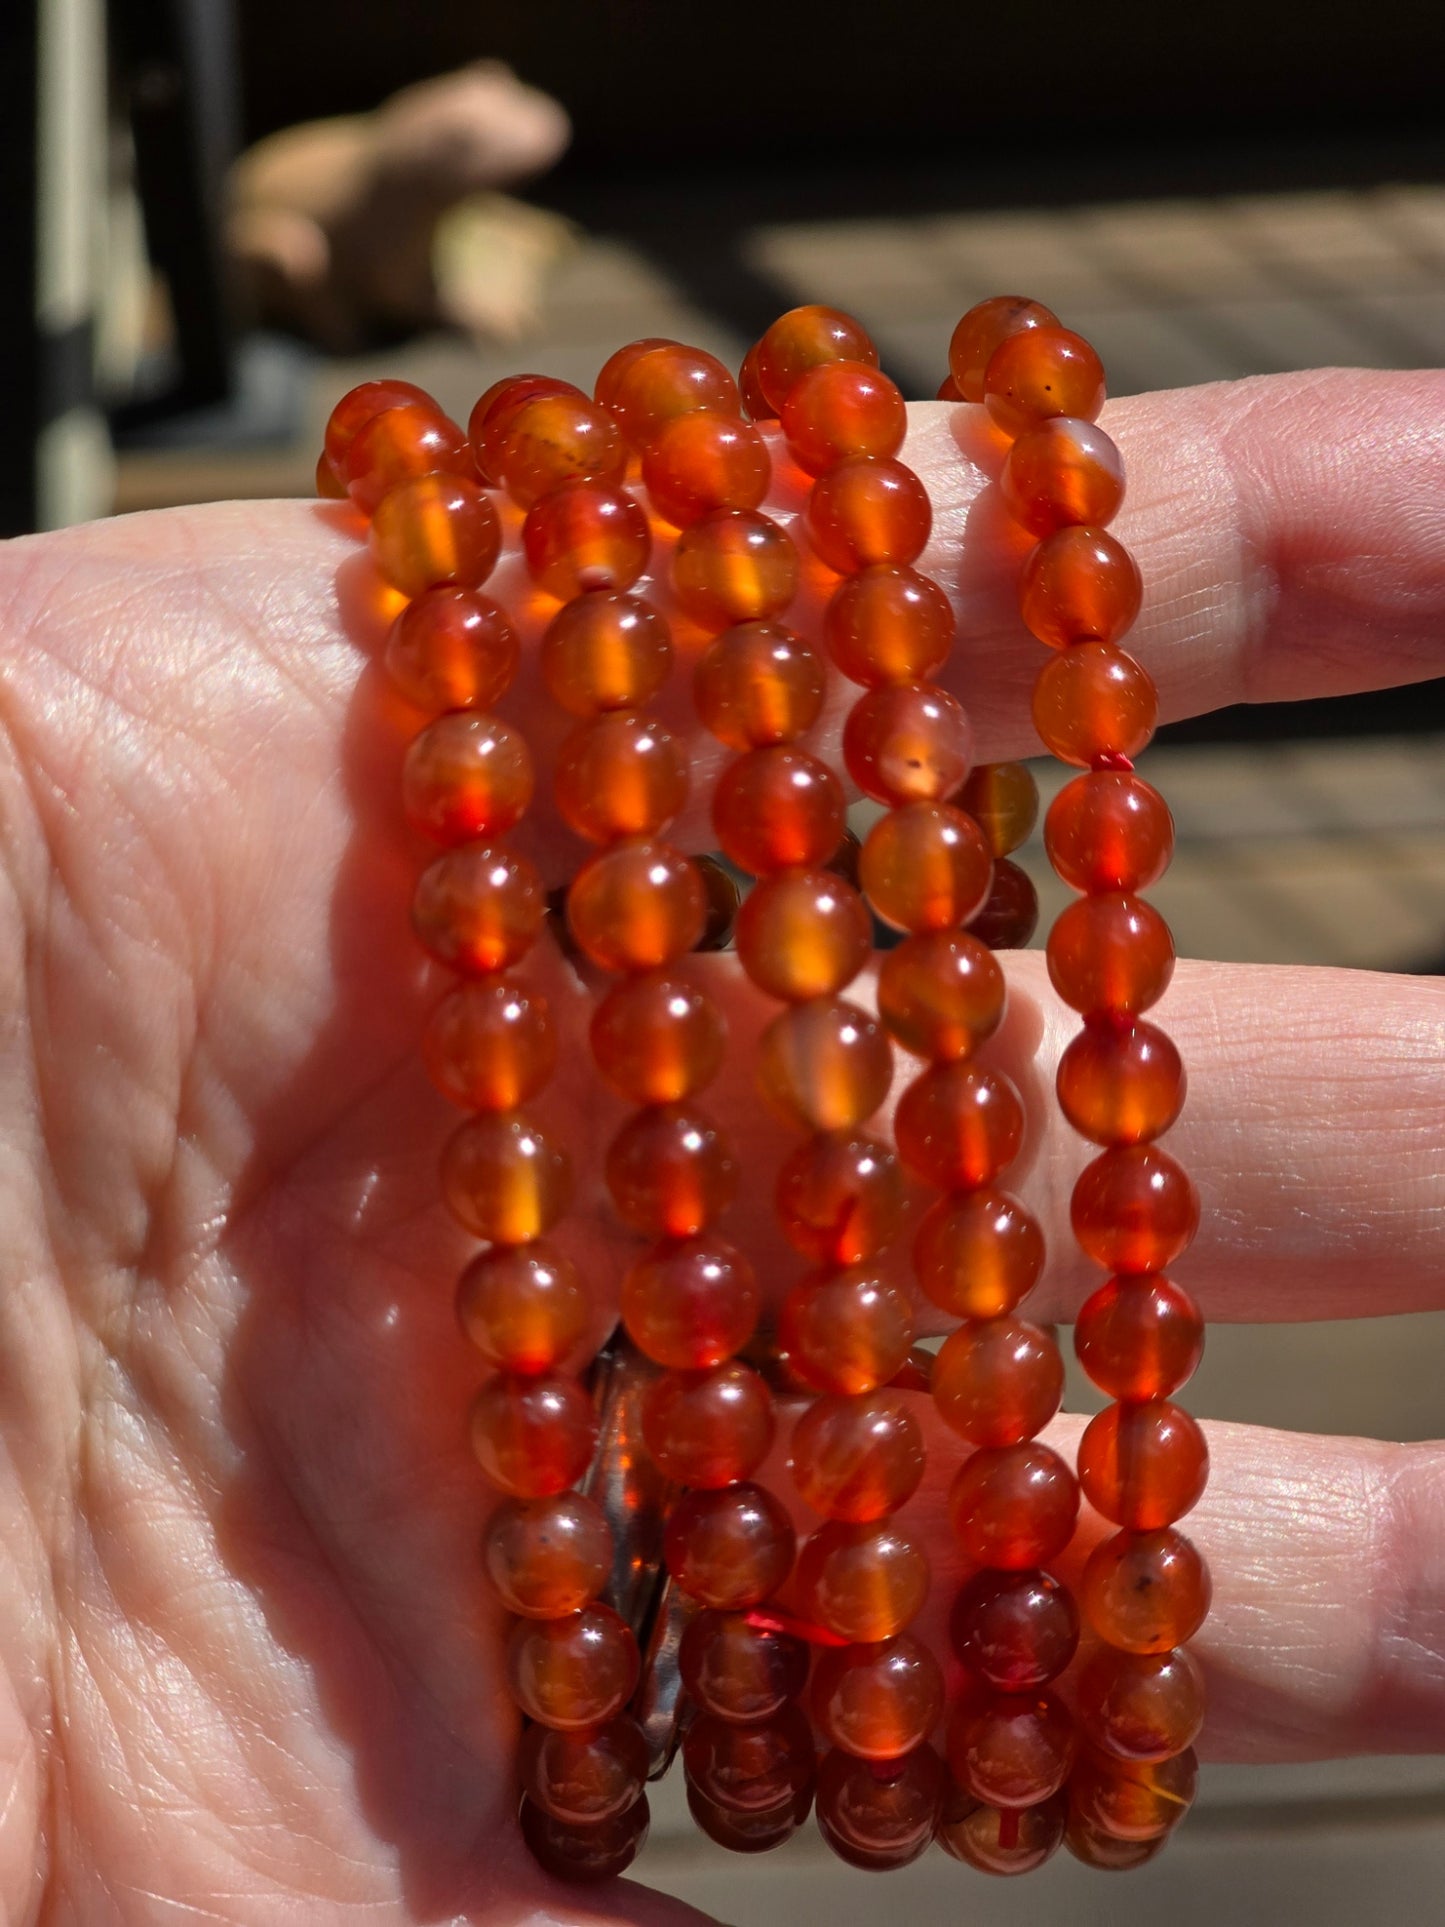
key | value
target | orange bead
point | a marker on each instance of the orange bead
(803, 934)
(605, 651)
(998, 1380)
(979, 1254)
(843, 408)
(750, 1769)
(664, 383)
(868, 510)
(620, 774)
(857, 1458)
(399, 445)
(1143, 1466)
(1001, 1840)
(329, 485)
(1139, 1338)
(778, 807)
(877, 1815)
(466, 775)
(759, 408)
(730, 1548)
(845, 1331)
(1120, 1083)
(865, 1582)
(1141, 1706)
(1145, 1591)
(906, 742)
(925, 867)
(877, 1701)
(435, 529)
(1013, 1507)
(1062, 472)
(1014, 1631)
(1103, 1852)
(490, 422)
(360, 405)
(748, 1832)
(548, 1557)
(824, 1065)
(740, 1672)
(604, 390)
(658, 1038)
(888, 625)
(478, 907)
(587, 1854)
(1132, 1800)
(584, 537)
(806, 338)
(573, 1673)
(1094, 704)
(533, 1436)
(940, 994)
(1035, 374)
(636, 906)
(1109, 830)
(839, 1198)
(452, 649)
(689, 1305)
(523, 1307)
(1079, 585)
(947, 390)
(709, 1428)
(489, 1046)
(1003, 799)
(1134, 1210)
(981, 331)
(504, 1179)
(1009, 914)
(584, 1778)
(1011, 1749)
(670, 1172)
(758, 683)
(1110, 953)
(958, 1126)
(705, 461)
(734, 565)
(560, 438)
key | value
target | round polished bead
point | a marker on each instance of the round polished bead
(490, 1045)
(1003, 799)
(1141, 1706)
(435, 530)
(1001, 1840)
(705, 461)
(729, 1548)
(878, 1816)
(723, 894)
(759, 408)
(824, 1065)
(864, 1582)
(656, 387)
(758, 1832)
(981, 331)
(620, 774)
(740, 1672)
(1143, 1466)
(1133, 1800)
(753, 1768)
(452, 649)
(670, 1172)
(1121, 1082)
(504, 1178)
(1009, 914)
(604, 389)
(489, 426)
(757, 684)
(1011, 1750)
(573, 1673)
(1134, 1209)
(1110, 953)
(1062, 472)
(925, 867)
(1109, 830)
(868, 510)
(906, 741)
(559, 438)
(690, 1304)
(778, 808)
(1145, 1591)
(523, 1307)
(400, 445)
(584, 1778)
(533, 1436)
(843, 408)
(657, 1038)
(734, 565)
(978, 1254)
(940, 994)
(1103, 1852)
(947, 390)
(636, 906)
(582, 1855)
(877, 1701)
(360, 405)
(583, 537)
(548, 1557)
(807, 338)
(708, 1428)
(845, 1331)
(1015, 1630)
(1037, 373)
(466, 775)
(605, 651)
(957, 1126)
(857, 1458)
(839, 1198)
(803, 934)
(1139, 1338)
(886, 625)
(1014, 1506)
(1079, 585)
(1094, 704)
(998, 1380)
(478, 907)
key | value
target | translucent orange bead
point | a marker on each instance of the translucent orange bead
(757, 684)
(947, 390)
(489, 1046)
(839, 1198)
(958, 1126)
(708, 1428)
(582, 1855)
(705, 461)
(433, 530)
(397, 446)
(560, 438)
(636, 906)
(1094, 705)
(740, 1672)
(1134, 1210)
(1037, 373)
(734, 565)
(533, 1436)
(1139, 1338)
(1079, 585)
(868, 510)
(548, 1557)
(843, 408)
(523, 1307)
(824, 1065)
(778, 807)
(657, 1038)
(1010, 912)
(452, 649)
(887, 625)
(1120, 1082)
(605, 651)
(573, 1673)
(845, 1331)
(504, 1179)
(729, 1548)
(1110, 953)
(803, 934)
(857, 1458)
(584, 537)
(998, 1380)
(978, 1254)
(360, 405)
(497, 408)
(329, 485)
(907, 741)
(1011, 1749)
(759, 408)
(879, 1816)
(1133, 1800)
(1145, 1591)
(1015, 1631)
(878, 1701)
(604, 389)
(584, 1778)
(1013, 1506)
(1109, 831)
(940, 994)
(1103, 1852)
(466, 775)
(620, 774)
(1003, 799)
(664, 383)
(1141, 1706)
(691, 1304)
(925, 867)
(1062, 472)
(749, 1832)
(1143, 1466)
(478, 907)
(981, 331)
(750, 1769)
(864, 1582)
(806, 338)
(1001, 1840)
(670, 1172)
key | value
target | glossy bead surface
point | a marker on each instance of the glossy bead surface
(691, 1304)
(864, 1582)
(868, 510)
(581, 1855)
(636, 906)
(758, 683)
(400, 445)
(573, 1673)
(839, 1197)
(1037, 373)
(605, 650)
(504, 1179)
(489, 426)
(998, 1380)
(704, 461)
(709, 1428)
(957, 1126)
(803, 934)
(1103, 1852)
(842, 408)
(1134, 1209)
(466, 775)
(734, 565)
(604, 389)
(1079, 585)
(1121, 1082)
(533, 1436)
(845, 1331)
(1062, 472)
(1001, 1840)
(1139, 1338)
(1015, 1630)
(1141, 1706)
(670, 1171)
(1003, 799)
(657, 1038)
(490, 1045)
(435, 530)
(759, 408)
(1009, 914)
(523, 1307)
(807, 338)
(887, 625)
(619, 774)
(1014, 1506)
(778, 808)
(1093, 704)
(824, 1065)
(729, 1549)
(877, 1701)
(559, 438)
(452, 649)
(978, 1254)
(857, 1458)
(584, 1778)
(925, 867)
(584, 537)
(360, 405)
(980, 332)
(656, 387)
(875, 1816)
(1011, 1750)
(940, 994)
(740, 1672)
(750, 1769)
(1110, 953)
(1109, 831)
(478, 907)
(758, 1832)
(548, 1557)
(1143, 1466)
(1145, 1591)
(907, 741)
(1132, 1800)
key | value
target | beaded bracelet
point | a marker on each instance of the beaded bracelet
(775, 1642)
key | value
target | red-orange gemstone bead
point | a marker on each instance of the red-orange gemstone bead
(729, 1548)
(1103, 1852)
(360, 405)
(1145, 1591)
(757, 684)
(879, 1816)
(978, 1254)
(778, 807)
(489, 1046)
(1120, 1083)
(887, 625)
(670, 1172)
(478, 907)
(824, 1065)
(845, 1331)
(740, 1672)
(657, 1038)
(620, 774)
(1109, 830)
(1139, 1338)
(1094, 704)
(1141, 1706)
(1015, 1630)
(981, 331)
(573, 1673)
(1143, 1466)
(907, 741)
(636, 906)
(1011, 1750)
(452, 649)
(548, 1557)
(705, 461)
(1037, 373)
(582, 1855)
(329, 485)
(584, 1778)
(657, 387)
(857, 1458)
(605, 651)
(583, 537)
(868, 510)
(1062, 472)
(843, 408)
(750, 1832)
(691, 1304)
(1110, 953)
(1132, 1799)
(504, 1179)
(864, 1582)
(533, 1436)
(523, 1307)
(940, 994)
(839, 1198)
(925, 867)
(490, 422)
(1014, 1506)
(1001, 1840)
(803, 934)
(998, 1380)
(560, 438)
(1134, 1210)
(604, 390)
(806, 338)
(759, 408)
(877, 1701)
(1079, 585)
(1010, 912)
(466, 775)
(433, 530)
(750, 1769)
(708, 1428)
(958, 1126)
(397, 446)
(1003, 799)
(734, 565)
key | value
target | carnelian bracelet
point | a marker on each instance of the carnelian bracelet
(757, 1647)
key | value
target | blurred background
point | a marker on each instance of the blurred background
(222, 213)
